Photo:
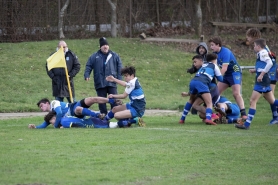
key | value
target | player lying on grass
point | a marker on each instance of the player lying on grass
(126, 114)
(74, 122)
(262, 82)
(200, 85)
(78, 109)
(228, 112)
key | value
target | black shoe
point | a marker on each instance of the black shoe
(240, 126)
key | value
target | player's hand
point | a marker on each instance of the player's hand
(260, 78)
(31, 126)
(184, 94)
(110, 78)
(252, 70)
(110, 96)
(87, 79)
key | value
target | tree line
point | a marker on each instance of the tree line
(24, 20)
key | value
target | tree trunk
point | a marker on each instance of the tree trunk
(198, 17)
(61, 20)
(113, 5)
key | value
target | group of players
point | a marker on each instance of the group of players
(78, 114)
(205, 92)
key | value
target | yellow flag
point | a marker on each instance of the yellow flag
(56, 60)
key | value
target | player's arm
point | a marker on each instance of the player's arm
(265, 57)
(118, 96)
(218, 73)
(43, 125)
(113, 79)
(224, 68)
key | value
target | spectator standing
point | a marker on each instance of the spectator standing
(58, 75)
(104, 63)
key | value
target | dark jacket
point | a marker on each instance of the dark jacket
(58, 76)
(113, 67)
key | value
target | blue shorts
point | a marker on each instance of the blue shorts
(233, 79)
(262, 89)
(198, 87)
(272, 73)
(235, 111)
(133, 111)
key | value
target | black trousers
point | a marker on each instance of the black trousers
(103, 92)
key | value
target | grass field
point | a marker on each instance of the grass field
(163, 152)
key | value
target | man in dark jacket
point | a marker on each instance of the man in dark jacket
(104, 63)
(58, 75)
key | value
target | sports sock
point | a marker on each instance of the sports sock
(242, 112)
(109, 116)
(232, 120)
(88, 112)
(208, 113)
(111, 101)
(186, 109)
(133, 120)
(123, 123)
(251, 115)
(274, 111)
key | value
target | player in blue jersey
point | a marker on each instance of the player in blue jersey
(262, 82)
(128, 113)
(228, 112)
(74, 122)
(251, 35)
(198, 61)
(231, 71)
(200, 85)
(78, 109)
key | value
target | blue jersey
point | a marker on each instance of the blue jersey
(225, 56)
(207, 72)
(136, 95)
(263, 64)
(61, 109)
(233, 109)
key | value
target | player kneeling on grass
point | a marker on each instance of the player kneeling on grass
(200, 85)
(132, 112)
(262, 82)
(74, 122)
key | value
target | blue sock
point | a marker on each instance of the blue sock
(232, 120)
(133, 120)
(274, 111)
(186, 109)
(208, 113)
(109, 116)
(123, 123)
(88, 112)
(275, 103)
(111, 101)
(251, 115)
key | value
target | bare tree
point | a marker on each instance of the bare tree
(198, 17)
(61, 19)
(113, 4)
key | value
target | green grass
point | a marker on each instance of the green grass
(161, 70)
(164, 152)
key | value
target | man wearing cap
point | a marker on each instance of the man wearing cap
(104, 63)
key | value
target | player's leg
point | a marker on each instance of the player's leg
(207, 99)
(111, 113)
(235, 81)
(269, 96)
(272, 106)
(187, 108)
(252, 110)
(222, 87)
